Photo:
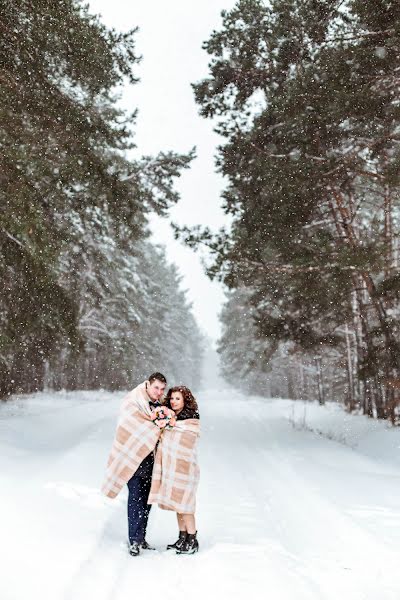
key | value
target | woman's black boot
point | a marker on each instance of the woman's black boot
(190, 546)
(179, 542)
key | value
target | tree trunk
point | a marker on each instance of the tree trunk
(320, 385)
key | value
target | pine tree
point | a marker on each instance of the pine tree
(306, 97)
(64, 147)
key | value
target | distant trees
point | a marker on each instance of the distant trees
(80, 283)
(132, 316)
(306, 95)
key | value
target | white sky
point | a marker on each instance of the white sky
(170, 40)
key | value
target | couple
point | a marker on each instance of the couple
(154, 453)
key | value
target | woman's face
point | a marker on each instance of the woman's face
(177, 402)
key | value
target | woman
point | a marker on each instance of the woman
(176, 472)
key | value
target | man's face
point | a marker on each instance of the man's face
(155, 390)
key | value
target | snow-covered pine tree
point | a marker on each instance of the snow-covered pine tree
(133, 317)
(64, 145)
(306, 97)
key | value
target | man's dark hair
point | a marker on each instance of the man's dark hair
(158, 376)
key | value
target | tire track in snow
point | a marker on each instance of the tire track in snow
(106, 562)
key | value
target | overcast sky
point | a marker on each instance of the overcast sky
(170, 39)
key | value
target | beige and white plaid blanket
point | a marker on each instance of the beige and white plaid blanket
(176, 472)
(135, 438)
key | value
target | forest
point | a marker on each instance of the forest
(305, 95)
(86, 301)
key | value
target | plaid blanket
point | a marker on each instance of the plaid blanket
(135, 438)
(176, 472)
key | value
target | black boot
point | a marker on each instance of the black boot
(146, 546)
(190, 546)
(179, 542)
(134, 549)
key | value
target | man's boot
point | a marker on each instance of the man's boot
(190, 545)
(146, 546)
(134, 549)
(179, 542)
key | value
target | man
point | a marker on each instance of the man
(140, 483)
(132, 456)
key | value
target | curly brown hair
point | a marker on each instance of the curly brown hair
(189, 400)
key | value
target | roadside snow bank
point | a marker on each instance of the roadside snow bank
(376, 439)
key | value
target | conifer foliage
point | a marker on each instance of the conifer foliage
(83, 293)
(306, 95)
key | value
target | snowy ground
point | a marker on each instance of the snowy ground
(283, 512)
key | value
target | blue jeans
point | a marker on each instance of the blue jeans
(138, 509)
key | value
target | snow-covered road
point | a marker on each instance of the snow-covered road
(282, 514)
